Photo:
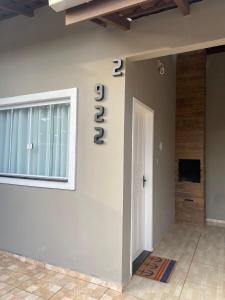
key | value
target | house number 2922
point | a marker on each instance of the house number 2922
(100, 96)
(99, 115)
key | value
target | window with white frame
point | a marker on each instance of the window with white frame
(38, 139)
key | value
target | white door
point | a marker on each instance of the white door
(142, 179)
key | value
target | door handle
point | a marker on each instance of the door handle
(144, 180)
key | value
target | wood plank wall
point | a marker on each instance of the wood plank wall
(190, 133)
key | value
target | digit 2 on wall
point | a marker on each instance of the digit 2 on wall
(118, 67)
(99, 115)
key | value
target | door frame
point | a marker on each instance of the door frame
(149, 188)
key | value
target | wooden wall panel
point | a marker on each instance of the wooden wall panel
(190, 133)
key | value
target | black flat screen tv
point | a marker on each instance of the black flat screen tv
(190, 170)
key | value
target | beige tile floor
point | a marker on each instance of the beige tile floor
(200, 270)
(199, 275)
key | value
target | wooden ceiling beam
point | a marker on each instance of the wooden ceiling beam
(184, 6)
(149, 4)
(119, 21)
(99, 8)
(145, 12)
(215, 50)
(16, 8)
(99, 22)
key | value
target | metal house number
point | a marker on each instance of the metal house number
(99, 115)
(118, 65)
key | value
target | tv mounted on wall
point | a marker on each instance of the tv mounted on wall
(190, 170)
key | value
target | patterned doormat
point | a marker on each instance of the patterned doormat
(157, 268)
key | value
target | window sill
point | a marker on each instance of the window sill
(34, 177)
(38, 182)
